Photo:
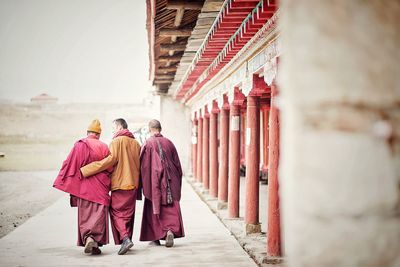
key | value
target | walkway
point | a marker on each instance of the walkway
(49, 238)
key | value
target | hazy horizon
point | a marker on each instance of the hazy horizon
(92, 51)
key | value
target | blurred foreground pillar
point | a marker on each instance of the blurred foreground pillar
(340, 114)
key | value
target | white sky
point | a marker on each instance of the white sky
(76, 50)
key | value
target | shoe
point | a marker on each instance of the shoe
(96, 251)
(169, 239)
(89, 245)
(126, 245)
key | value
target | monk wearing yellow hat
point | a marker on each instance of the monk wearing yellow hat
(91, 194)
(124, 157)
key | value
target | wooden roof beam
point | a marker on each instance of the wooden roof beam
(178, 19)
(175, 58)
(181, 4)
(175, 47)
(164, 77)
(167, 69)
(162, 82)
(183, 32)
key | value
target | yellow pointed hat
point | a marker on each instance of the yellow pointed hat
(95, 126)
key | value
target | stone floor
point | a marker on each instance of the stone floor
(254, 244)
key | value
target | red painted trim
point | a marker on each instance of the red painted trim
(228, 22)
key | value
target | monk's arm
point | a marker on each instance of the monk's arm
(99, 166)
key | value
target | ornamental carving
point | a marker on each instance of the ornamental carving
(270, 71)
(247, 85)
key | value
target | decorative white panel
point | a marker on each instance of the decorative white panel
(270, 71)
(247, 85)
(235, 123)
(231, 94)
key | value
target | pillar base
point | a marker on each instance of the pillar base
(252, 228)
(222, 205)
(272, 260)
(204, 191)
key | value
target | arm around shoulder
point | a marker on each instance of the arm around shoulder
(99, 166)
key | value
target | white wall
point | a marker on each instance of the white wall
(176, 124)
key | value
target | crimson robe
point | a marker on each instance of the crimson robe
(95, 188)
(158, 215)
(91, 194)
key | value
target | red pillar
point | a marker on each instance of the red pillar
(243, 123)
(194, 146)
(274, 231)
(224, 150)
(206, 152)
(234, 155)
(199, 148)
(252, 165)
(214, 150)
(265, 120)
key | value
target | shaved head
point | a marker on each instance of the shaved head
(155, 124)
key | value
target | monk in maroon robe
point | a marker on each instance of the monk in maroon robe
(161, 179)
(91, 194)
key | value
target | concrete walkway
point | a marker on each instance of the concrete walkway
(49, 238)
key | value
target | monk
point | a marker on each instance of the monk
(91, 194)
(161, 179)
(124, 157)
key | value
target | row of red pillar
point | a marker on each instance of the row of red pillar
(221, 176)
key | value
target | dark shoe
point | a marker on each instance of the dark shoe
(96, 251)
(155, 243)
(89, 245)
(169, 239)
(126, 245)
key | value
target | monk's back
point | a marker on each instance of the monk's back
(99, 149)
(126, 171)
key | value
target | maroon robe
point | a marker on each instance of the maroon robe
(90, 195)
(122, 211)
(92, 221)
(158, 215)
(123, 206)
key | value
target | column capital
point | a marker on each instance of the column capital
(199, 114)
(236, 97)
(223, 102)
(214, 107)
(206, 113)
(258, 86)
(194, 116)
